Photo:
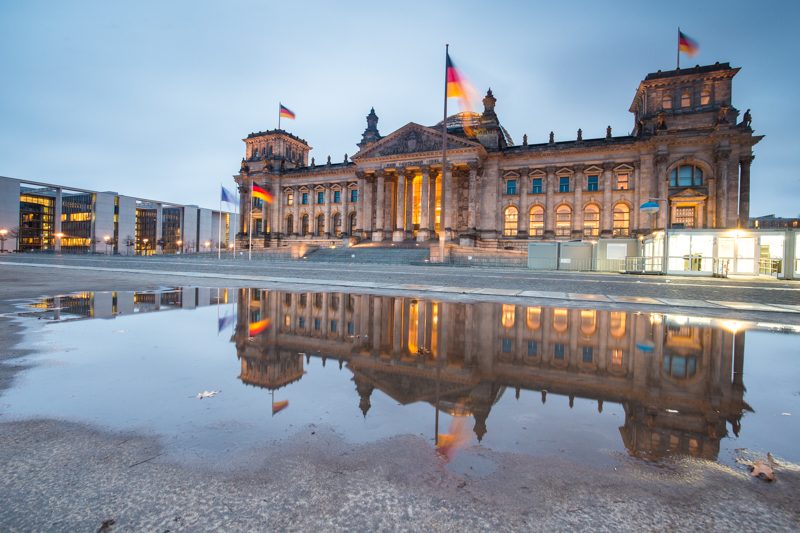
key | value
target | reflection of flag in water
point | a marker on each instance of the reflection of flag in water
(277, 407)
(456, 438)
(225, 321)
(257, 327)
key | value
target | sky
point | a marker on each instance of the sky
(153, 99)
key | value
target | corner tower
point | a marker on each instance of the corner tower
(275, 150)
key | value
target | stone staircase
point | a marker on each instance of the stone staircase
(369, 254)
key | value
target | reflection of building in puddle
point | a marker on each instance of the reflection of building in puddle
(108, 304)
(678, 380)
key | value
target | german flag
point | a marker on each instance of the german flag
(456, 87)
(279, 406)
(260, 192)
(285, 112)
(257, 327)
(686, 44)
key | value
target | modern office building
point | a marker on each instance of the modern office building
(48, 217)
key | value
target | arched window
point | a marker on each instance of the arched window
(320, 225)
(686, 99)
(705, 97)
(560, 320)
(351, 225)
(591, 220)
(666, 101)
(290, 224)
(255, 153)
(686, 176)
(533, 318)
(304, 225)
(617, 324)
(588, 321)
(510, 216)
(337, 225)
(536, 221)
(622, 221)
(509, 316)
(563, 221)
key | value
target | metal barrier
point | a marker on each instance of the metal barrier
(770, 267)
(644, 265)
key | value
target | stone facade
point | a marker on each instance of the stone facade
(687, 152)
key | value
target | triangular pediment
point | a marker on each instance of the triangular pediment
(413, 139)
(686, 194)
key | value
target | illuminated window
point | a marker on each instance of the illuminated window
(622, 220)
(593, 183)
(686, 176)
(666, 101)
(290, 198)
(685, 215)
(510, 221)
(560, 320)
(533, 318)
(287, 321)
(686, 99)
(563, 221)
(591, 221)
(588, 321)
(536, 222)
(511, 186)
(705, 97)
(623, 181)
(617, 324)
(616, 357)
(509, 315)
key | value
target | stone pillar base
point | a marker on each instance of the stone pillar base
(377, 235)
(398, 235)
(467, 240)
(423, 235)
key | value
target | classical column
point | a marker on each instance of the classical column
(523, 220)
(328, 195)
(550, 215)
(636, 223)
(360, 202)
(607, 208)
(277, 208)
(744, 190)
(296, 211)
(424, 232)
(345, 212)
(409, 226)
(400, 226)
(432, 202)
(721, 189)
(577, 220)
(264, 207)
(472, 209)
(663, 190)
(244, 195)
(380, 205)
(451, 201)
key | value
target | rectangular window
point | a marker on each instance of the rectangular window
(507, 345)
(588, 352)
(290, 199)
(317, 324)
(563, 184)
(304, 199)
(337, 197)
(354, 195)
(685, 216)
(533, 348)
(320, 197)
(623, 182)
(593, 183)
(334, 326)
(511, 186)
(537, 186)
(558, 351)
(301, 322)
(351, 328)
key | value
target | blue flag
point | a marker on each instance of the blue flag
(227, 196)
(225, 321)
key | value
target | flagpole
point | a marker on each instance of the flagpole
(279, 115)
(219, 226)
(250, 226)
(236, 212)
(444, 163)
(679, 48)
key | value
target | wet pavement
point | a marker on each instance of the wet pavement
(340, 410)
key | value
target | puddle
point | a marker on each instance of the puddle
(583, 384)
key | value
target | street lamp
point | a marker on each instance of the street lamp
(3, 233)
(179, 244)
(207, 244)
(106, 239)
(145, 241)
(59, 236)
